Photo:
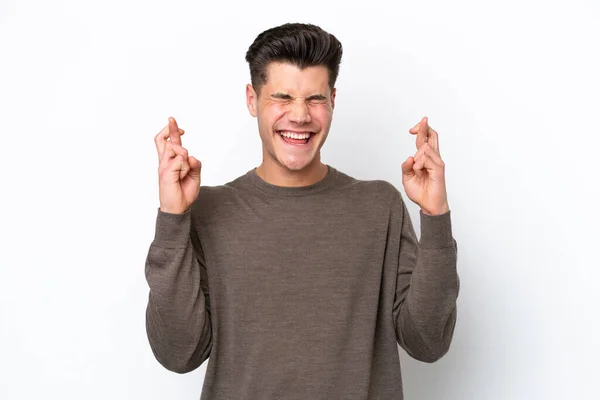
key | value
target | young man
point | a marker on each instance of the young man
(295, 278)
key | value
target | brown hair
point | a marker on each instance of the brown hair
(302, 45)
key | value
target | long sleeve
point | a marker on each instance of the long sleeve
(427, 285)
(178, 321)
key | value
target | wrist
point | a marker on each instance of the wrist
(437, 211)
(169, 210)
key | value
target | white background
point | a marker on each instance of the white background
(512, 87)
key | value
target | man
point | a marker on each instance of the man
(295, 278)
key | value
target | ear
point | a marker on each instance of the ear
(251, 99)
(333, 92)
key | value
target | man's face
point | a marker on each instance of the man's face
(294, 112)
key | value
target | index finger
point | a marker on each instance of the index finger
(161, 138)
(423, 132)
(421, 129)
(174, 132)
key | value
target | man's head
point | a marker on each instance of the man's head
(293, 71)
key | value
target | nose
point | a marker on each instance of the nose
(299, 112)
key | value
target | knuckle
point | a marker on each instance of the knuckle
(180, 148)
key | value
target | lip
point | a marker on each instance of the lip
(312, 135)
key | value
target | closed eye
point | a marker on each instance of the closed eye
(313, 99)
(317, 99)
(281, 96)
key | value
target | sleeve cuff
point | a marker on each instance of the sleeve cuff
(436, 230)
(172, 230)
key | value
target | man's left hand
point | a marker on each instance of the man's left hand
(423, 174)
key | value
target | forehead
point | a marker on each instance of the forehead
(288, 78)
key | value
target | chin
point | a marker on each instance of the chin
(296, 164)
(296, 158)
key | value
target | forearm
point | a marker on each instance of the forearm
(428, 314)
(177, 319)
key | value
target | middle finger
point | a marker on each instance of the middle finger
(162, 137)
(423, 132)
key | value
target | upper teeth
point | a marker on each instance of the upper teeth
(294, 135)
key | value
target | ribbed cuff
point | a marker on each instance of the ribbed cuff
(436, 230)
(172, 230)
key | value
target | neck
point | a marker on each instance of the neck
(278, 175)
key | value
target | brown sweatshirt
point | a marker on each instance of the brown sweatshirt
(300, 292)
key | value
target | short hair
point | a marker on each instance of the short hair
(302, 45)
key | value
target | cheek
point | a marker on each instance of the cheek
(271, 114)
(322, 114)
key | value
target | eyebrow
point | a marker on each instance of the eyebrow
(284, 96)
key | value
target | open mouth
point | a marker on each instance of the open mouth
(296, 138)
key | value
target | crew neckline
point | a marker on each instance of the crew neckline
(266, 187)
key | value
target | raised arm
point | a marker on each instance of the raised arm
(178, 313)
(427, 286)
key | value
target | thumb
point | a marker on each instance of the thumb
(195, 166)
(407, 166)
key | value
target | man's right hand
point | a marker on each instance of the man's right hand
(178, 173)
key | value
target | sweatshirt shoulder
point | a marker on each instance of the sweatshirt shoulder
(213, 198)
(373, 189)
